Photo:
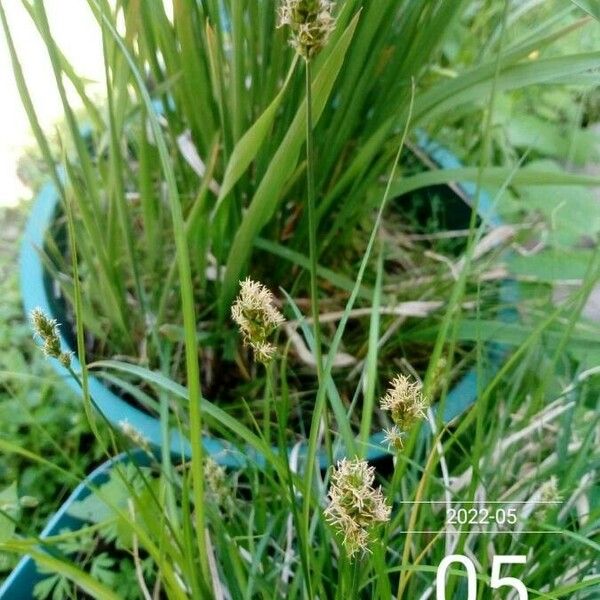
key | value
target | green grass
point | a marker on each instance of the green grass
(252, 142)
(328, 234)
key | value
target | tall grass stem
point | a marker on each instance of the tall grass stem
(312, 244)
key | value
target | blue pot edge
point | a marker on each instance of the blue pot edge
(22, 579)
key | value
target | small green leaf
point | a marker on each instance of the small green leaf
(102, 569)
(55, 583)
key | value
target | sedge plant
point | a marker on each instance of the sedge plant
(225, 72)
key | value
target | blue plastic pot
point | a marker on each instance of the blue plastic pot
(37, 291)
(20, 583)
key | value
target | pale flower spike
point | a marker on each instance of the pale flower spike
(549, 495)
(217, 487)
(311, 23)
(255, 314)
(355, 506)
(404, 400)
(549, 490)
(136, 436)
(46, 329)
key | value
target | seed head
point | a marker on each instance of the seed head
(355, 506)
(64, 358)
(548, 495)
(405, 402)
(255, 314)
(135, 435)
(311, 23)
(46, 329)
(549, 490)
(43, 326)
(216, 485)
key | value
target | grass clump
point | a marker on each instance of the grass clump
(226, 156)
(241, 195)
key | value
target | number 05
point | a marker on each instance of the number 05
(495, 582)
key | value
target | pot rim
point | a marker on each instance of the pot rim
(22, 579)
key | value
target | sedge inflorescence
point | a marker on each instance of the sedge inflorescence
(406, 405)
(355, 507)
(135, 435)
(46, 329)
(548, 495)
(217, 488)
(311, 23)
(257, 317)
(549, 490)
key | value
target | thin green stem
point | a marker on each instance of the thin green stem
(286, 477)
(311, 452)
(312, 245)
(485, 159)
(354, 579)
(312, 224)
(268, 403)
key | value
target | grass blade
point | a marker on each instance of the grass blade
(268, 194)
(248, 146)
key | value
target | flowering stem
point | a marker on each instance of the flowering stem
(269, 397)
(312, 245)
(355, 569)
(312, 225)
